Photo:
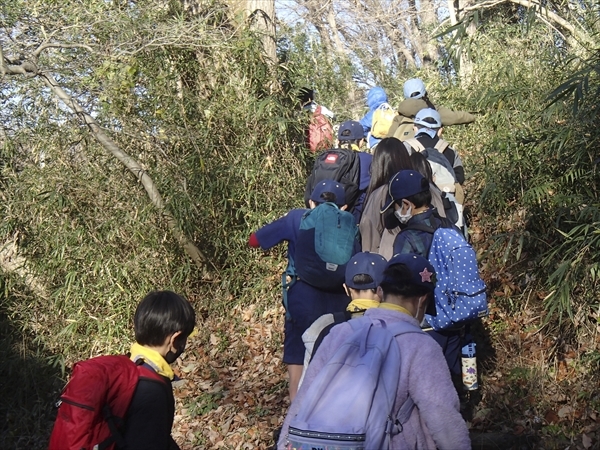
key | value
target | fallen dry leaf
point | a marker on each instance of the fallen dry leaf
(586, 441)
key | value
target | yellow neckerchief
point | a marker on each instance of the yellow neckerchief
(153, 359)
(361, 304)
(395, 308)
(355, 147)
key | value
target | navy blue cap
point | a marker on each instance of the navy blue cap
(329, 186)
(422, 273)
(350, 130)
(366, 263)
(402, 185)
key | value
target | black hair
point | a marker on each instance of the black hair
(429, 120)
(348, 144)
(327, 197)
(426, 100)
(422, 198)
(397, 281)
(421, 165)
(159, 315)
(362, 279)
(390, 157)
(306, 95)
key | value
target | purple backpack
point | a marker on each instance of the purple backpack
(350, 403)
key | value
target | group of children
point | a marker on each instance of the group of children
(410, 184)
(402, 197)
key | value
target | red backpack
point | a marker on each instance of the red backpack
(94, 402)
(320, 132)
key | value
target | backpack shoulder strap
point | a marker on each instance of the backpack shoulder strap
(414, 144)
(338, 317)
(147, 372)
(419, 227)
(441, 145)
(394, 424)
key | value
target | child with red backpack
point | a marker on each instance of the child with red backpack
(319, 134)
(120, 402)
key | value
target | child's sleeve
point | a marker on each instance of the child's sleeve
(431, 388)
(253, 241)
(283, 229)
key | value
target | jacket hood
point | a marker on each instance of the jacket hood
(375, 97)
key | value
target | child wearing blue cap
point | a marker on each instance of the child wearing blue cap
(363, 275)
(406, 289)
(415, 99)
(428, 131)
(410, 198)
(303, 303)
(350, 136)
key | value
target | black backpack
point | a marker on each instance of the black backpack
(341, 165)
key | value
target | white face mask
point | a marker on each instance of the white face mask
(403, 218)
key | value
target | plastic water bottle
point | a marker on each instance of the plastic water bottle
(469, 367)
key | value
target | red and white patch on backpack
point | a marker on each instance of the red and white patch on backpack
(331, 158)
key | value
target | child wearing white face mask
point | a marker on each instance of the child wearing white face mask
(409, 196)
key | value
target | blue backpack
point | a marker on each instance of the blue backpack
(326, 242)
(460, 295)
(350, 403)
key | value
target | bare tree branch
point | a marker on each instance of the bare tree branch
(133, 166)
(47, 45)
(30, 69)
(541, 11)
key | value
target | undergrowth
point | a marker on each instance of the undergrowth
(218, 130)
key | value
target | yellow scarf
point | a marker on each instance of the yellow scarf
(153, 359)
(395, 308)
(361, 304)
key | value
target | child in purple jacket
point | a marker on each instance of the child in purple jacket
(407, 291)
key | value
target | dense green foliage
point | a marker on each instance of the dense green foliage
(216, 127)
(203, 113)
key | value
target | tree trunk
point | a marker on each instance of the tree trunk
(465, 71)
(429, 21)
(261, 14)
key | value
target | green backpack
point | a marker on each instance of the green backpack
(326, 242)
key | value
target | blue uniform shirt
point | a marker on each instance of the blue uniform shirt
(305, 303)
(283, 229)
